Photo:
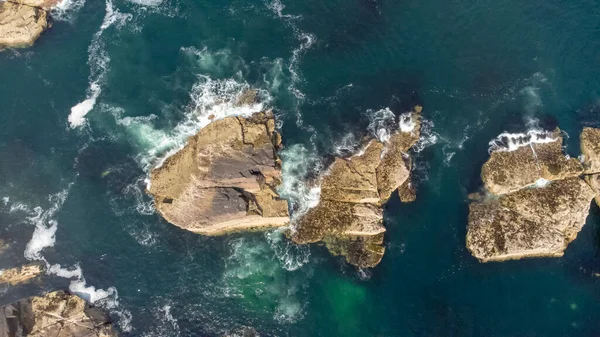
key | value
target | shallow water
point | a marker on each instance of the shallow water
(151, 72)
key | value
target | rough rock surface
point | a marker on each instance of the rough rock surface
(21, 24)
(509, 171)
(519, 218)
(224, 179)
(55, 314)
(590, 149)
(349, 218)
(532, 222)
(21, 274)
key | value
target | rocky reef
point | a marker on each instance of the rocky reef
(225, 178)
(23, 21)
(535, 203)
(57, 314)
(21, 274)
(349, 217)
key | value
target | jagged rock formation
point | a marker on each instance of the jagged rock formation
(349, 218)
(224, 179)
(56, 314)
(537, 203)
(21, 274)
(23, 21)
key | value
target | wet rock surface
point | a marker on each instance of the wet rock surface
(56, 314)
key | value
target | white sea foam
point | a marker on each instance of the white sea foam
(65, 10)
(210, 100)
(290, 255)
(98, 61)
(45, 226)
(541, 183)
(427, 137)
(19, 207)
(512, 141)
(406, 122)
(381, 123)
(5, 200)
(297, 164)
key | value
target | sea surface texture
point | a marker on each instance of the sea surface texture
(113, 87)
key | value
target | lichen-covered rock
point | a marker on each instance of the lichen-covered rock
(590, 149)
(20, 25)
(56, 314)
(509, 171)
(21, 274)
(532, 222)
(349, 218)
(224, 179)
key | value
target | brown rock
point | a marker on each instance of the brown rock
(224, 179)
(21, 274)
(509, 171)
(594, 181)
(349, 218)
(532, 222)
(590, 149)
(55, 314)
(20, 25)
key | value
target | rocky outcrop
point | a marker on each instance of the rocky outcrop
(349, 218)
(56, 314)
(590, 150)
(535, 205)
(532, 222)
(510, 171)
(23, 21)
(21, 274)
(224, 179)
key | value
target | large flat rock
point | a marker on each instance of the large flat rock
(20, 25)
(532, 222)
(224, 179)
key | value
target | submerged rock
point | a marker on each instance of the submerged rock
(224, 179)
(509, 171)
(537, 203)
(20, 25)
(532, 222)
(349, 218)
(55, 314)
(21, 274)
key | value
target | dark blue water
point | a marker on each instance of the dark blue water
(152, 72)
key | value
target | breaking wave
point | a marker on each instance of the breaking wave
(299, 165)
(512, 141)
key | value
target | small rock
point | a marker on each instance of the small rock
(21, 274)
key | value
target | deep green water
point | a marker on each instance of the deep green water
(158, 70)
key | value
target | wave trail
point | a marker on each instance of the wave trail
(98, 61)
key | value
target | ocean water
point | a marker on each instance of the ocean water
(116, 86)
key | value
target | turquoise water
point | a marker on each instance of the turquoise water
(152, 71)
